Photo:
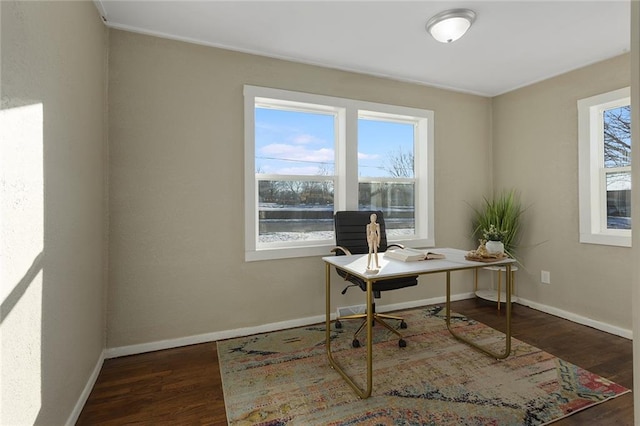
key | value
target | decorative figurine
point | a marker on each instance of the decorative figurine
(373, 239)
(481, 251)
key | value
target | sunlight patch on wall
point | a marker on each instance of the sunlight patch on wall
(21, 257)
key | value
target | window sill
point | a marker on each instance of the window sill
(607, 240)
(287, 252)
(319, 250)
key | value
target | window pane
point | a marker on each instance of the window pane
(295, 210)
(395, 200)
(619, 200)
(617, 137)
(294, 142)
(385, 149)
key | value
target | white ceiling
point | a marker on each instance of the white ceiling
(511, 44)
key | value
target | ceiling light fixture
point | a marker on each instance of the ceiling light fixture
(450, 25)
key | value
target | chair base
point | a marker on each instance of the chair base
(377, 318)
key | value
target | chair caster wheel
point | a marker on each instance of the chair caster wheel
(355, 343)
(338, 324)
(403, 324)
(402, 343)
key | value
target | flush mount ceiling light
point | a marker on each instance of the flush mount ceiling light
(450, 25)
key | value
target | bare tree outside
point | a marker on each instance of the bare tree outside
(617, 162)
(400, 163)
(617, 137)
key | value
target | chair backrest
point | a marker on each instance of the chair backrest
(351, 230)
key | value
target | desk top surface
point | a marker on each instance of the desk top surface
(389, 268)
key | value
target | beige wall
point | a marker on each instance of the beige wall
(53, 245)
(536, 151)
(176, 188)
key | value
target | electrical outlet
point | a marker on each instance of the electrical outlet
(545, 277)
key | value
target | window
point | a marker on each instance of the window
(386, 180)
(605, 168)
(307, 156)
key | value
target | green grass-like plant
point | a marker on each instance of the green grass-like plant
(504, 213)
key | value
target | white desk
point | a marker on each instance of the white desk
(357, 265)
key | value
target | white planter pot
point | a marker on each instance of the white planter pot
(495, 247)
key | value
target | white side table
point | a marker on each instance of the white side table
(499, 295)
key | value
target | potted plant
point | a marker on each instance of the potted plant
(493, 239)
(499, 220)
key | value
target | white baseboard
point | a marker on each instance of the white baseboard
(598, 325)
(357, 309)
(239, 332)
(300, 322)
(84, 396)
(422, 302)
(210, 337)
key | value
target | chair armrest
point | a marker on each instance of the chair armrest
(342, 249)
(395, 245)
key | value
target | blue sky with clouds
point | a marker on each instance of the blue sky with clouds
(301, 143)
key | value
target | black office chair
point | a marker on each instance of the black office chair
(351, 238)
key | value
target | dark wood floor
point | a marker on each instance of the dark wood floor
(183, 386)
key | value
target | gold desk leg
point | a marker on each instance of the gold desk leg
(507, 349)
(366, 393)
(499, 286)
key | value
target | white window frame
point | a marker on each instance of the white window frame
(592, 174)
(346, 171)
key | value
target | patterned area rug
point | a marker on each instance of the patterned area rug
(283, 378)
